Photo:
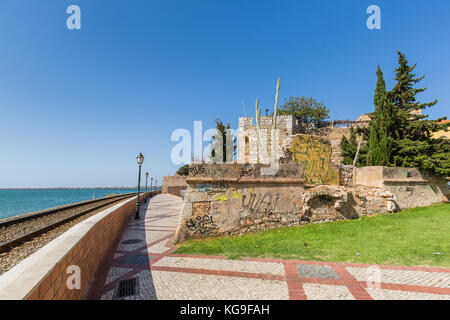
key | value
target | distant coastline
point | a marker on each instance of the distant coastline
(70, 188)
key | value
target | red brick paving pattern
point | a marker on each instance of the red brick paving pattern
(358, 289)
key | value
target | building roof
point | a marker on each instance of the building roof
(363, 117)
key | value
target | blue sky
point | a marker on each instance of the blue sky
(76, 106)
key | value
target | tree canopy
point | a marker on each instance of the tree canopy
(183, 171)
(381, 126)
(398, 133)
(307, 110)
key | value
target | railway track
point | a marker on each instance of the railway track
(15, 231)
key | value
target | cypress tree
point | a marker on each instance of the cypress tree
(381, 126)
(415, 146)
(222, 131)
(348, 147)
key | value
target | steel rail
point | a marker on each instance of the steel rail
(27, 236)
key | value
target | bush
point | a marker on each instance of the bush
(183, 171)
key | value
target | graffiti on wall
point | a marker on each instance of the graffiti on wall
(286, 173)
(201, 224)
(248, 171)
(264, 203)
(259, 203)
(314, 154)
(213, 186)
(200, 208)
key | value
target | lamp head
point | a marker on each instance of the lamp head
(140, 158)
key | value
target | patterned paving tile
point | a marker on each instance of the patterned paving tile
(177, 285)
(223, 265)
(135, 259)
(326, 292)
(181, 277)
(384, 294)
(316, 271)
(132, 241)
(411, 277)
(115, 272)
(159, 247)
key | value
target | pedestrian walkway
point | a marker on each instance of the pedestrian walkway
(145, 253)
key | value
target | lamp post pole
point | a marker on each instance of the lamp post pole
(140, 160)
(156, 184)
(146, 179)
(151, 186)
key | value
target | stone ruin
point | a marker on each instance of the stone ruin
(288, 128)
(309, 185)
(236, 198)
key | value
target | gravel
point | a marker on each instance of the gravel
(12, 257)
(12, 231)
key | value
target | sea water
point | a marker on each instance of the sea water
(14, 202)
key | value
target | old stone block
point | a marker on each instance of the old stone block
(200, 208)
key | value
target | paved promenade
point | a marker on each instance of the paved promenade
(144, 252)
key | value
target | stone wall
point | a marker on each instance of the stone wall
(247, 141)
(289, 128)
(235, 198)
(346, 175)
(174, 184)
(409, 186)
(314, 154)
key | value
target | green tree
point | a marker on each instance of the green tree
(404, 99)
(415, 146)
(183, 171)
(350, 146)
(222, 130)
(398, 133)
(381, 127)
(307, 110)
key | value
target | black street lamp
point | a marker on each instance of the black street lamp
(140, 160)
(156, 185)
(151, 186)
(146, 178)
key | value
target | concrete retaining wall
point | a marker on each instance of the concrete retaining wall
(174, 184)
(409, 186)
(44, 274)
(235, 198)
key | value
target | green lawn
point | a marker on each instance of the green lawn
(409, 238)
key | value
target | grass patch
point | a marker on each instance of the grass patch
(409, 238)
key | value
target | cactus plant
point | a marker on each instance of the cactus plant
(258, 121)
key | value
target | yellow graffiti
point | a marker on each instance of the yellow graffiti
(221, 197)
(237, 195)
(314, 154)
